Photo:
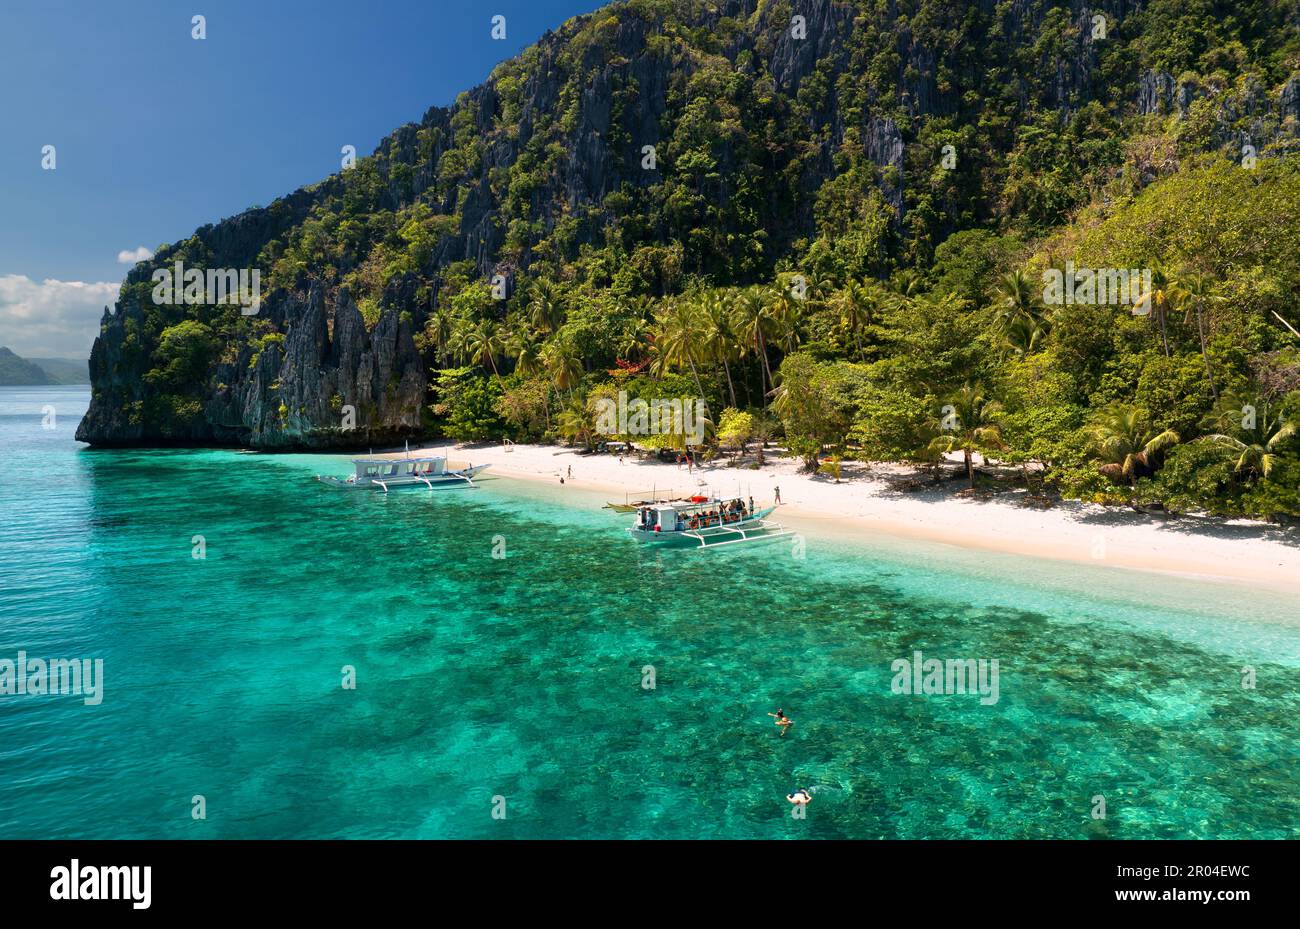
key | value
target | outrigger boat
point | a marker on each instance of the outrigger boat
(705, 522)
(634, 500)
(384, 473)
(650, 498)
(625, 507)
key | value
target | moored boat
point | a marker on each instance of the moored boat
(634, 500)
(705, 522)
(625, 507)
(385, 473)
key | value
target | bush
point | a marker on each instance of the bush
(466, 404)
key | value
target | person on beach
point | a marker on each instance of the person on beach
(785, 722)
(570, 472)
(778, 494)
(800, 797)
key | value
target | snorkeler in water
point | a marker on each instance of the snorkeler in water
(785, 722)
(800, 797)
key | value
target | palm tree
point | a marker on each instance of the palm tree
(480, 343)
(1255, 446)
(856, 305)
(524, 350)
(786, 310)
(1126, 444)
(820, 291)
(833, 466)
(753, 322)
(906, 284)
(1194, 291)
(677, 341)
(1161, 297)
(561, 359)
(576, 423)
(1256, 458)
(545, 306)
(1021, 317)
(718, 338)
(929, 451)
(972, 427)
(634, 342)
(1023, 336)
(1016, 299)
(439, 329)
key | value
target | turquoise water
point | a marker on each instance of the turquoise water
(521, 677)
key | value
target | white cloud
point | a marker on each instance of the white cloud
(51, 319)
(135, 255)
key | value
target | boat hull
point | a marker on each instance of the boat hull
(686, 537)
(458, 478)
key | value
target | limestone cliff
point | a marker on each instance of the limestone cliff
(750, 108)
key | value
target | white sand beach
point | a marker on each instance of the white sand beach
(870, 500)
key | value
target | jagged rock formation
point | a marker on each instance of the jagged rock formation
(548, 156)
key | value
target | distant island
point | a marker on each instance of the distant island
(40, 372)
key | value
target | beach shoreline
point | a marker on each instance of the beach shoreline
(868, 503)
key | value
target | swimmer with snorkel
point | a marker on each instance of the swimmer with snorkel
(785, 722)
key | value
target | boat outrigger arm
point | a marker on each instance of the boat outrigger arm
(751, 531)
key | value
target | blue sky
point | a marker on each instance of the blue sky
(157, 133)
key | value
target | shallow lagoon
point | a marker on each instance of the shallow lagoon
(521, 677)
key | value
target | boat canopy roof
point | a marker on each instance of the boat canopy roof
(687, 506)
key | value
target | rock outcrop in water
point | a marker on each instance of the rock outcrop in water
(549, 157)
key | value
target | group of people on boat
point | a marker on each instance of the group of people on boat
(732, 511)
(721, 513)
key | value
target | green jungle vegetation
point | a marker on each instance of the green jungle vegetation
(816, 298)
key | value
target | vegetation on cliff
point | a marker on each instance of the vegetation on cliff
(831, 220)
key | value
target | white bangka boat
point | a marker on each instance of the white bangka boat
(705, 522)
(385, 473)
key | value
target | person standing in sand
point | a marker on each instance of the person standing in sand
(777, 490)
